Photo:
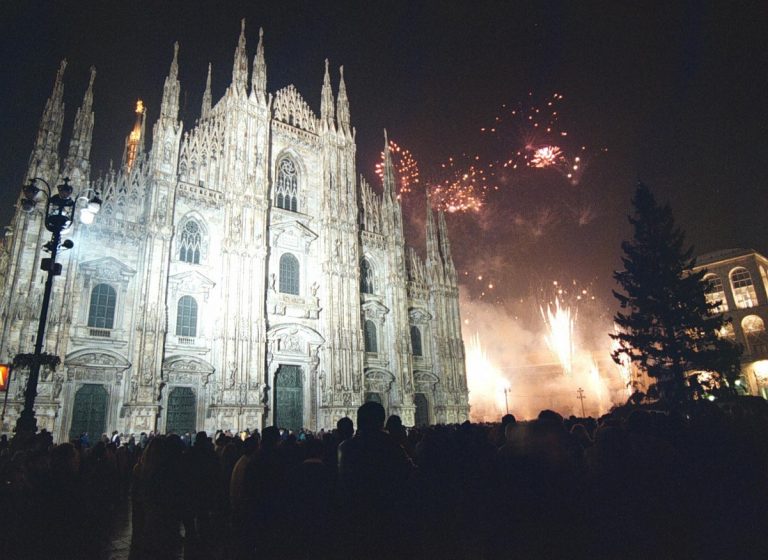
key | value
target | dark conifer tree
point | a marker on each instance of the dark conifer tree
(667, 327)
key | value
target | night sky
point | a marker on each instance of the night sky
(674, 91)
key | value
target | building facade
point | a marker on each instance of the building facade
(240, 274)
(738, 280)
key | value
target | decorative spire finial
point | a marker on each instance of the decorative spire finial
(342, 108)
(205, 110)
(389, 171)
(259, 78)
(169, 108)
(240, 66)
(326, 99)
(77, 164)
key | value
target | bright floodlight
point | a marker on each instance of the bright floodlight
(86, 216)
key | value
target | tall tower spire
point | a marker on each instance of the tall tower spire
(389, 172)
(134, 143)
(166, 133)
(342, 103)
(240, 65)
(259, 77)
(205, 110)
(44, 160)
(445, 245)
(169, 109)
(326, 99)
(77, 165)
(433, 253)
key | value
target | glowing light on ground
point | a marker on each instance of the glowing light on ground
(559, 337)
(486, 385)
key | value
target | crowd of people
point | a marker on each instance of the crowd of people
(635, 483)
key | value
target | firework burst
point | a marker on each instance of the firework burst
(406, 168)
(537, 138)
(463, 187)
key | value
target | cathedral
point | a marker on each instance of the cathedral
(240, 274)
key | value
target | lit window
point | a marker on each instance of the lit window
(101, 314)
(190, 242)
(366, 277)
(186, 317)
(743, 289)
(416, 341)
(287, 186)
(371, 342)
(715, 293)
(289, 274)
(754, 331)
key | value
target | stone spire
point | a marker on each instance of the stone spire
(78, 157)
(445, 243)
(326, 99)
(205, 109)
(240, 65)
(433, 254)
(389, 172)
(342, 104)
(44, 159)
(169, 108)
(134, 143)
(259, 77)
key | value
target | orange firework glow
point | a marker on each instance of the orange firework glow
(559, 337)
(406, 168)
(488, 390)
(464, 187)
(546, 156)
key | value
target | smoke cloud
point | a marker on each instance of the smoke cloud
(502, 354)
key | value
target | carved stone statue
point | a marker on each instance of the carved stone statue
(58, 384)
(265, 394)
(232, 374)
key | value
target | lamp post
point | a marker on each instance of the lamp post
(59, 212)
(506, 400)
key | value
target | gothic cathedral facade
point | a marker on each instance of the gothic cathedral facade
(240, 274)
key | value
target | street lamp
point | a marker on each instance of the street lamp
(507, 390)
(59, 212)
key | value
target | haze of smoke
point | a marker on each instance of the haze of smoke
(512, 356)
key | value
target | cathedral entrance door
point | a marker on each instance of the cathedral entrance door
(89, 412)
(181, 417)
(373, 397)
(289, 398)
(422, 409)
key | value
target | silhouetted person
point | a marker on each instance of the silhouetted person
(265, 500)
(396, 430)
(373, 472)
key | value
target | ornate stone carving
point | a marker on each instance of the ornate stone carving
(291, 108)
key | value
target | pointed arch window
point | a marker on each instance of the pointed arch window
(369, 333)
(715, 293)
(287, 185)
(190, 242)
(416, 341)
(101, 313)
(289, 274)
(743, 288)
(186, 317)
(367, 284)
